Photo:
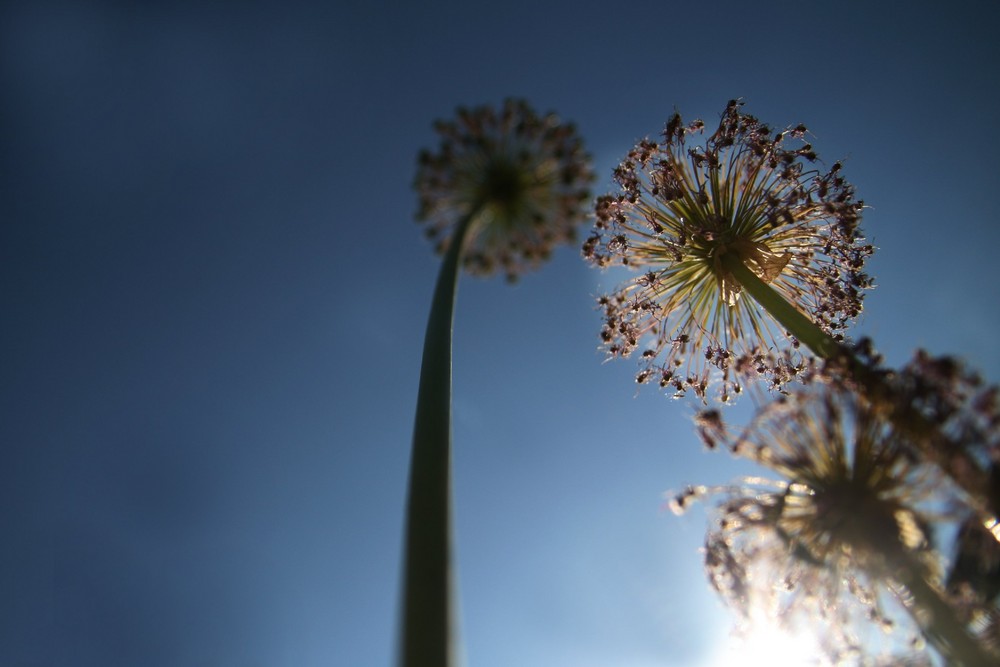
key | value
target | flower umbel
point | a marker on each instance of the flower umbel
(966, 411)
(849, 491)
(686, 213)
(944, 410)
(525, 177)
(844, 529)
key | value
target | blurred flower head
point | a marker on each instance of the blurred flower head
(746, 191)
(524, 177)
(965, 411)
(849, 512)
(850, 490)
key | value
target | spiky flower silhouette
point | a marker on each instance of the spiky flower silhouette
(705, 224)
(525, 176)
(504, 187)
(846, 526)
(964, 412)
(942, 409)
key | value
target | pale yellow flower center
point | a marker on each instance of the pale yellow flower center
(767, 265)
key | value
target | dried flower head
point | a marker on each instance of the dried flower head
(965, 412)
(850, 488)
(944, 410)
(524, 177)
(846, 528)
(749, 193)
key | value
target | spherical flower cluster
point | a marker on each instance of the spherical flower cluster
(750, 193)
(946, 412)
(523, 177)
(966, 413)
(846, 522)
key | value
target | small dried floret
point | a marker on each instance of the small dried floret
(524, 177)
(747, 193)
(710, 428)
(679, 502)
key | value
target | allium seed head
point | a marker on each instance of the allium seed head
(850, 485)
(847, 521)
(525, 176)
(748, 192)
(965, 414)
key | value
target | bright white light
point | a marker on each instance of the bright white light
(766, 646)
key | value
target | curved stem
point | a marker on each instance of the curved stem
(932, 441)
(429, 624)
(939, 624)
(800, 326)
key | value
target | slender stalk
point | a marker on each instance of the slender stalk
(787, 315)
(939, 623)
(935, 444)
(429, 624)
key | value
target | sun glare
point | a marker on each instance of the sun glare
(765, 646)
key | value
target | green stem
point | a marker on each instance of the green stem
(951, 457)
(939, 624)
(797, 324)
(429, 623)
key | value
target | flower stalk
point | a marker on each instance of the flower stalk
(797, 324)
(505, 187)
(924, 434)
(939, 624)
(429, 632)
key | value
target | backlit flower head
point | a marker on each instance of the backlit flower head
(525, 177)
(965, 410)
(849, 487)
(746, 191)
(945, 411)
(844, 528)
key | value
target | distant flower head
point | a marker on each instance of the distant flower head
(848, 514)
(747, 191)
(966, 413)
(944, 410)
(525, 177)
(850, 487)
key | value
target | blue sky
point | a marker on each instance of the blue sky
(214, 298)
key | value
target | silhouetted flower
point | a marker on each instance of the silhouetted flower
(524, 178)
(943, 410)
(845, 527)
(749, 193)
(965, 413)
(503, 189)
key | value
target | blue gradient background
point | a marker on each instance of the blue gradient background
(214, 296)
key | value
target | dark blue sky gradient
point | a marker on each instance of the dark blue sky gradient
(214, 298)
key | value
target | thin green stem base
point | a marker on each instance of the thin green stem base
(429, 634)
